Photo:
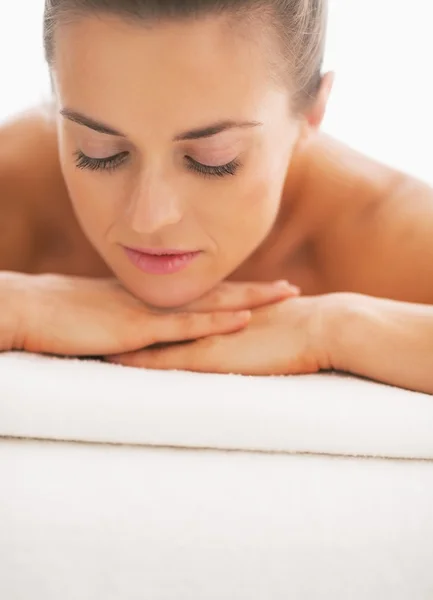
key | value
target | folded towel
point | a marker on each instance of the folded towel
(89, 401)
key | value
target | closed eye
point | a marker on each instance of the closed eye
(110, 163)
(230, 168)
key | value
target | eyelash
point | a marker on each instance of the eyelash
(230, 168)
(112, 163)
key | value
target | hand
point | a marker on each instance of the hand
(75, 316)
(243, 296)
(286, 338)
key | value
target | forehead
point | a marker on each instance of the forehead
(170, 70)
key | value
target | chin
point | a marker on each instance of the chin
(169, 297)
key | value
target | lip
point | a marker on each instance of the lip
(155, 261)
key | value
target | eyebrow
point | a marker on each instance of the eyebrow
(193, 134)
(81, 119)
(214, 129)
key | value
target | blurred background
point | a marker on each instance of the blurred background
(381, 52)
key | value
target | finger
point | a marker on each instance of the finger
(177, 327)
(238, 296)
(199, 356)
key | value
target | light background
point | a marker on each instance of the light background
(381, 51)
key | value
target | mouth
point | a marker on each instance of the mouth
(156, 261)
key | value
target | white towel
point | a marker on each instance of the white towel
(89, 401)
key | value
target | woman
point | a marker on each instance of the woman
(183, 160)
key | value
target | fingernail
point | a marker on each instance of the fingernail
(286, 286)
(282, 284)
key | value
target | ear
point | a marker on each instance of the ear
(316, 112)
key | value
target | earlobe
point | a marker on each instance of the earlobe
(317, 112)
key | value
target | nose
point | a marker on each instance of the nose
(153, 206)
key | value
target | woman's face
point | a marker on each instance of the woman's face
(173, 138)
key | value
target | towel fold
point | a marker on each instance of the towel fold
(89, 401)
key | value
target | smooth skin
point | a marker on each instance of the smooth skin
(354, 235)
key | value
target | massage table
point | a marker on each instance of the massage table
(129, 484)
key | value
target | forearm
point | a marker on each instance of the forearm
(384, 340)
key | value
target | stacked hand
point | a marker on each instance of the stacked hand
(280, 338)
(248, 328)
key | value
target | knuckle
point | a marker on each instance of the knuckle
(216, 319)
(185, 321)
(219, 296)
(155, 329)
(226, 293)
(210, 321)
(253, 292)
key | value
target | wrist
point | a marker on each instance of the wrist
(341, 329)
(14, 289)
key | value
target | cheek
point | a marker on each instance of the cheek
(94, 196)
(93, 199)
(242, 216)
(261, 193)
(259, 206)
(266, 176)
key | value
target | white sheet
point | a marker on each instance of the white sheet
(95, 522)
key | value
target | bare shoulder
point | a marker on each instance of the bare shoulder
(28, 168)
(38, 228)
(28, 146)
(402, 238)
(379, 234)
